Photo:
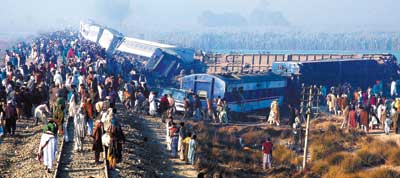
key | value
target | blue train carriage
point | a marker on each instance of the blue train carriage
(357, 72)
(244, 93)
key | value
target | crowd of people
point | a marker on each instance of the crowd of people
(373, 108)
(60, 77)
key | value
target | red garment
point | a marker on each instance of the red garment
(71, 53)
(83, 71)
(52, 65)
(267, 147)
(373, 100)
(172, 131)
(352, 119)
(88, 110)
(364, 118)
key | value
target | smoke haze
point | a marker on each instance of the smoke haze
(144, 16)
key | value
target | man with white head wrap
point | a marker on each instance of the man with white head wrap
(58, 80)
(79, 129)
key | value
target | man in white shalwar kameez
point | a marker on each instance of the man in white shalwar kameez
(48, 145)
(393, 90)
(273, 117)
(58, 80)
(79, 129)
(153, 105)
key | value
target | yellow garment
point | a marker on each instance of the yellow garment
(186, 140)
(397, 104)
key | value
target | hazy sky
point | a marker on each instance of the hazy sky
(187, 15)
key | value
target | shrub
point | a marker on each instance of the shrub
(335, 172)
(255, 137)
(380, 173)
(320, 167)
(370, 159)
(351, 164)
(325, 146)
(335, 158)
(285, 134)
(394, 157)
(283, 156)
(332, 129)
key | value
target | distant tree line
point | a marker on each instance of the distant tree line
(282, 41)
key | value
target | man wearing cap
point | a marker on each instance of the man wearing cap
(48, 147)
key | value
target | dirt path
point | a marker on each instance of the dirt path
(154, 129)
(79, 164)
(18, 153)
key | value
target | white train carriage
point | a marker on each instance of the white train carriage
(243, 93)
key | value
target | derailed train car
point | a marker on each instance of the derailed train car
(356, 72)
(243, 93)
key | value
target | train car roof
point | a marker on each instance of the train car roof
(324, 61)
(243, 78)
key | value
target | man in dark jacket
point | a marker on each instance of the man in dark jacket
(10, 117)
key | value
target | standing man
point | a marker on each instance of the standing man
(10, 117)
(364, 119)
(273, 117)
(292, 115)
(267, 147)
(48, 146)
(79, 128)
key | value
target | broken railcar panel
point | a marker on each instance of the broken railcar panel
(162, 64)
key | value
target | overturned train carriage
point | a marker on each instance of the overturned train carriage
(243, 93)
(357, 72)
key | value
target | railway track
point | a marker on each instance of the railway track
(71, 163)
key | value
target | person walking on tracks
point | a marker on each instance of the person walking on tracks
(117, 139)
(79, 129)
(97, 144)
(48, 146)
(58, 113)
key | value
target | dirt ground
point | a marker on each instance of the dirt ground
(154, 130)
(18, 153)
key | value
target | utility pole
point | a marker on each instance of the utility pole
(310, 98)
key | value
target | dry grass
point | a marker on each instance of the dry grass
(334, 153)
(283, 156)
(394, 157)
(336, 171)
(380, 173)
(320, 167)
(369, 158)
(336, 158)
(325, 146)
(351, 164)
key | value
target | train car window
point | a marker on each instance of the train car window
(240, 90)
(258, 85)
(202, 94)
